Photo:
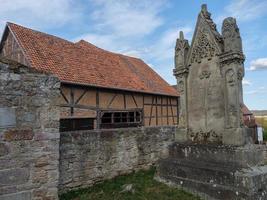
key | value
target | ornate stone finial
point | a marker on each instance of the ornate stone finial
(181, 35)
(231, 36)
(204, 11)
(181, 50)
(204, 8)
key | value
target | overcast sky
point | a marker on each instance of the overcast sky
(148, 29)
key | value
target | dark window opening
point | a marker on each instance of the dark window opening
(124, 117)
(131, 116)
(117, 117)
(138, 116)
(75, 124)
(120, 119)
(106, 118)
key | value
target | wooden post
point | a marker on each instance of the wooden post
(98, 117)
(167, 110)
(161, 110)
(143, 113)
(124, 100)
(71, 101)
(157, 110)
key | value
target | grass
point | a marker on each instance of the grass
(144, 186)
(263, 122)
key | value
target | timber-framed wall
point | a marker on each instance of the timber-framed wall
(81, 101)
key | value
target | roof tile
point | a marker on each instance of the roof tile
(84, 63)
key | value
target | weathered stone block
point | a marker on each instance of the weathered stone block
(7, 117)
(224, 172)
(46, 136)
(237, 137)
(14, 176)
(18, 134)
(181, 135)
(40, 176)
(3, 149)
(17, 196)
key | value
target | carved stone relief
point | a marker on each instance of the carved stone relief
(230, 77)
(204, 136)
(181, 86)
(203, 48)
(204, 74)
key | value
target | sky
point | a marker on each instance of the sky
(148, 29)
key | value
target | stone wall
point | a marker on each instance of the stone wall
(36, 160)
(29, 136)
(87, 157)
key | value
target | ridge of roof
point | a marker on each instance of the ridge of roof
(85, 43)
(38, 32)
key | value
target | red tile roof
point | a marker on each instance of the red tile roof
(84, 63)
(245, 110)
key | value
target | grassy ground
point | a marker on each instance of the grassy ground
(144, 188)
(263, 122)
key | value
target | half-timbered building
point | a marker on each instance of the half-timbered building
(99, 89)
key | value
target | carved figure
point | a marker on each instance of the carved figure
(231, 35)
(181, 87)
(181, 50)
(230, 79)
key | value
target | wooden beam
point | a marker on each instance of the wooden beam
(134, 101)
(111, 101)
(143, 113)
(124, 100)
(172, 112)
(164, 116)
(148, 104)
(161, 110)
(63, 95)
(71, 101)
(98, 118)
(167, 111)
(156, 110)
(151, 109)
(79, 106)
(78, 100)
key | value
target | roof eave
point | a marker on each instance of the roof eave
(113, 88)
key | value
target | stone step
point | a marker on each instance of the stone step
(214, 179)
(236, 156)
(202, 171)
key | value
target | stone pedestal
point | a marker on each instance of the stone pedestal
(213, 155)
(216, 172)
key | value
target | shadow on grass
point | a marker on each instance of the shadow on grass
(144, 187)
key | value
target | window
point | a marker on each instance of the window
(131, 117)
(75, 124)
(119, 119)
(107, 118)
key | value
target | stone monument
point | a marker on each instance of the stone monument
(213, 155)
